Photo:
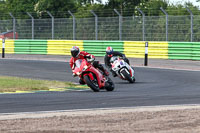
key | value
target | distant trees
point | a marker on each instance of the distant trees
(81, 8)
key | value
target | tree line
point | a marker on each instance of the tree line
(82, 8)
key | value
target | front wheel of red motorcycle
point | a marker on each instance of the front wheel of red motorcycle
(92, 83)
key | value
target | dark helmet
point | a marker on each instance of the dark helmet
(75, 51)
(109, 51)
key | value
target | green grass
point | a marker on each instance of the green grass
(12, 84)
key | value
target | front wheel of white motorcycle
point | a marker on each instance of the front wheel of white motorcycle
(128, 76)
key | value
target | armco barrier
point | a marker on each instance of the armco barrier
(9, 46)
(135, 49)
(158, 50)
(30, 46)
(195, 51)
(180, 50)
(98, 48)
(62, 47)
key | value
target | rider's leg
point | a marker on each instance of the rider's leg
(126, 60)
(100, 67)
(114, 74)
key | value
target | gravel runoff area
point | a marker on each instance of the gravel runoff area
(158, 119)
(163, 119)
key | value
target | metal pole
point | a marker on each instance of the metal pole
(13, 25)
(146, 54)
(32, 24)
(52, 23)
(3, 47)
(143, 24)
(120, 24)
(96, 24)
(74, 25)
(166, 22)
(191, 25)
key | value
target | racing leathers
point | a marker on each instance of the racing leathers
(88, 57)
(108, 63)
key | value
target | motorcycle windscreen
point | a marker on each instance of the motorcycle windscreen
(112, 59)
(80, 63)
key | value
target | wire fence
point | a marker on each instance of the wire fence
(133, 28)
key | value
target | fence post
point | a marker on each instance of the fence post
(13, 25)
(191, 24)
(143, 23)
(3, 47)
(32, 24)
(74, 25)
(146, 54)
(96, 24)
(120, 24)
(52, 23)
(166, 22)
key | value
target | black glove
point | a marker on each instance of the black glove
(74, 75)
(110, 68)
(87, 56)
(124, 57)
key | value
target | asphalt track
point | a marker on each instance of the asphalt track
(153, 87)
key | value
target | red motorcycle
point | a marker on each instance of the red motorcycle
(92, 76)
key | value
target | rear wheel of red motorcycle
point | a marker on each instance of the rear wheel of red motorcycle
(92, 83)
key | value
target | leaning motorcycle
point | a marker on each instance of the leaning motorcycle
(123, 69)
(92, 76)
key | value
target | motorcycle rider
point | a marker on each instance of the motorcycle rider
(77, 54)
(109, 54)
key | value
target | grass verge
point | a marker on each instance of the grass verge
(12, 84)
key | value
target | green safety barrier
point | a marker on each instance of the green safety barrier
(184, 50)
(135, 49)
(30, 46)
(98, 48)
(196, 51)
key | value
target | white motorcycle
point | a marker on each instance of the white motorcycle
(122, 69)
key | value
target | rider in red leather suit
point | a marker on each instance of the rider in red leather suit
(77, 54)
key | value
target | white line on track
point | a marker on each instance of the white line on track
(164, 67)
(96, 111)
(168, 68)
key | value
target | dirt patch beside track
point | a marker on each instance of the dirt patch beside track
(164, 119)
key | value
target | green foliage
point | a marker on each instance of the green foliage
(152, 7)
(3, 10)
(81, 8)
(85, 2)
(19, 7)
(84, 11)
(125, 7)
(55, 7)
